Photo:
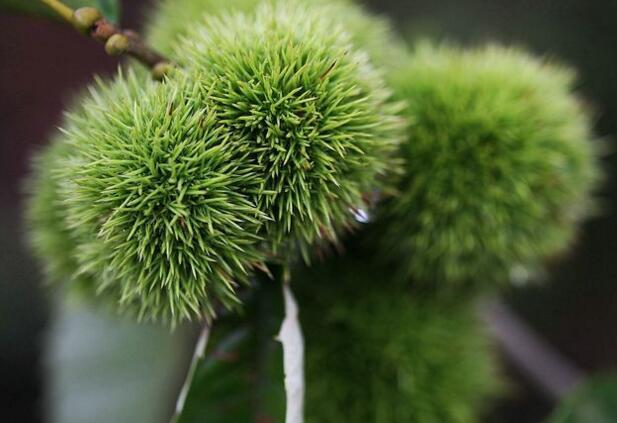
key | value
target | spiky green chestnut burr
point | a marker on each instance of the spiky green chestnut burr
(49, 237)
(171, 20)
(52, 242)
(377, 352)
(154, 199)
(304, 107)
(500, 164)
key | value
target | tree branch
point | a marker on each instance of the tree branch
(60, 8)
(90, 22)
(542, 364)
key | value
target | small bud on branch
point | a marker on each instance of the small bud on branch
(90, 22)
(117, 44)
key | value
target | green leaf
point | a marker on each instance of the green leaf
(594, 401)
(241, 377)
(109, 8)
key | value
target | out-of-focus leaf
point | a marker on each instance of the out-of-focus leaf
(595, 401)
(241, 377)
(109, 8)
(102, 369)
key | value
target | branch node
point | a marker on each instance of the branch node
(85, 19)
(90, 22)
(103, 30)
(117, 44)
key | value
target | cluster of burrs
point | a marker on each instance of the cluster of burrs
(277, 126)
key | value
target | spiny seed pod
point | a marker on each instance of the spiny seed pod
(377, 352)
(49, 237)
(500, 164)
(52, 242)
(304, 107)
(153, 197)
(370, 32)
(172, 20)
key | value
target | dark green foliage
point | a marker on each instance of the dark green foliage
(304, 107)
(500, 163)
(154, 199)
(241, 377)
(377, 352)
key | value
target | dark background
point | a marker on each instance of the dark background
(42, 64)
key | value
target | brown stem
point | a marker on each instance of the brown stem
(103, 30)
(117, 41)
